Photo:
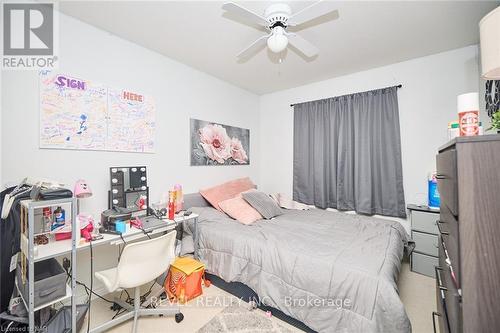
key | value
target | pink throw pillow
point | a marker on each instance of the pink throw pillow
(228, 190)
(240, 210)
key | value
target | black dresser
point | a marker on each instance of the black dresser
(468, 274)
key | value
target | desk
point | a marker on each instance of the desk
(60, 248)
(64, 247)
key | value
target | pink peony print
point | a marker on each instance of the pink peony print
(215, 142)
(237, 152)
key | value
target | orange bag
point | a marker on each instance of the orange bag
(184, 280)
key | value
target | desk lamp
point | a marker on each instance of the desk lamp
(82, 190)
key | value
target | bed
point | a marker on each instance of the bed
(332, 271)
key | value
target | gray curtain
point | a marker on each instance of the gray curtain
(347, 153)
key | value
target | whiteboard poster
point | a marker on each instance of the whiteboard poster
(81, 114)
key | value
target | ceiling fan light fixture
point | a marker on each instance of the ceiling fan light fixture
(278, 41)
(277, 18)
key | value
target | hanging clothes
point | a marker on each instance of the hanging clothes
(19, 191)
(10, 239)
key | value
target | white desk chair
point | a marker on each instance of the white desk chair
(140, 263)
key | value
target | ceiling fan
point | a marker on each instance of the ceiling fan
(277, 18)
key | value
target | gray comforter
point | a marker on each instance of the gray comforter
(333, 271)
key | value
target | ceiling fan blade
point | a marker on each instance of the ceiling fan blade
(254, 47)
(245, 13)
(313, 11)
(308, 49)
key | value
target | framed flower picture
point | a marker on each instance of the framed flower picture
(218, 144)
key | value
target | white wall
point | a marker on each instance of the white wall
(1, 108)
(180, 92)
(483, 114)
(427, 102)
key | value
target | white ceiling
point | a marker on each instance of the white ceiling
(365, 35)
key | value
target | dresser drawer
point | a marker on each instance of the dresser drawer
(442, 315)
(423, 264)
(447, 179)
(449, 230)
(425, 243)
(426, 222)
(450, 292)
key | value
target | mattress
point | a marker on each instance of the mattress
(333, 271)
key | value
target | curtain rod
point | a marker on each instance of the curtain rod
(398, 86)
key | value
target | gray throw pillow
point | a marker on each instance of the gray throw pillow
(263, 203)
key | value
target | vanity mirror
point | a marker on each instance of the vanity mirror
(129, 189)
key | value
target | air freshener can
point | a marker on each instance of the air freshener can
(468, 114)
(178, 198)
(171, 205)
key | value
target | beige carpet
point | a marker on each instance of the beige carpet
(417, 292)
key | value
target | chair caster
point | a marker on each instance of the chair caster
(179, 317)
(115, 307)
